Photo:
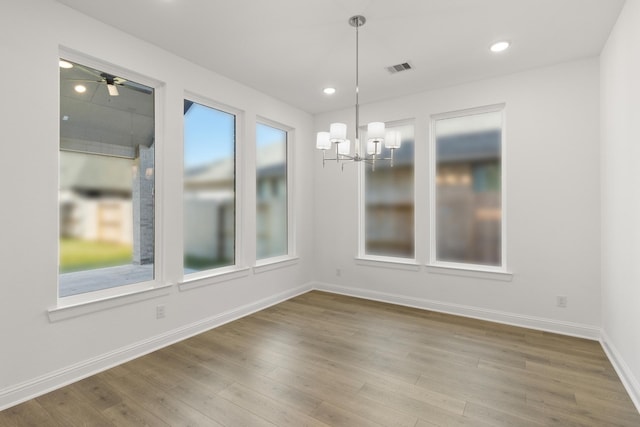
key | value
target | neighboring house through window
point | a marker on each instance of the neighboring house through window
(388, 199)
(271, 192)
(468, 217)
(209, 188)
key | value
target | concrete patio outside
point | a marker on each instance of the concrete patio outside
(103, 278)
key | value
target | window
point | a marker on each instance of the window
(209, 188)
(468, 217)
(106, 181)
(271, 192)
(389, 200)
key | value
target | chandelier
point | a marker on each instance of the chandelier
(336, 139)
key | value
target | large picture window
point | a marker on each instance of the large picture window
(468, 217)
(388, 199)
(209, 188)
(271, 192)
(106, 180)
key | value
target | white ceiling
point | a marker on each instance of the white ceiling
(291, 49)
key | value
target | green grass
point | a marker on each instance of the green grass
(77, 255)
(200, 264)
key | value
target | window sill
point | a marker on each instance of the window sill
(68, 311)
(383, 262)
(478, 273)
(198, 280)
(274, 264)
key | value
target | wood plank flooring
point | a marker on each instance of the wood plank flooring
(329, 360)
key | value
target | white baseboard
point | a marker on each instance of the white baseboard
(19, 393)
(629, 380)
(538, 323)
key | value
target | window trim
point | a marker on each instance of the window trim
(227, 272)
(82, 307)
(396, 263)
(212, 277)
(93, 300)
(275, 263)
(261, 263)
(362, 256)
(469, 270)
(443, 266)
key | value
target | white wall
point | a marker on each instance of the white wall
(552, 205)
(620, 134)
(36, 354)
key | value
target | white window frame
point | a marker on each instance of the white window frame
(86, 302)
(378, 260)
(238, 268)
(441, 266)
(267, 264)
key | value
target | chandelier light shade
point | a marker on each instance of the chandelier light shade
(338, 132)
(375, 131)
(323, 141)
(336, 139)
(393, 139)
(344, 147)
(374, 147)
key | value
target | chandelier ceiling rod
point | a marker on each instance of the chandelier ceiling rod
(357, 21)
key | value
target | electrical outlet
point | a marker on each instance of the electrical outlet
(160, 312)
(338, 272)
(561, 301)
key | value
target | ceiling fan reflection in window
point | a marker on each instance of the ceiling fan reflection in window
(112, 83)
(82, 74)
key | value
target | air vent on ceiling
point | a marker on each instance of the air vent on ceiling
(405, 66)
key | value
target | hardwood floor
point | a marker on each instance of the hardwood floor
(322, 359)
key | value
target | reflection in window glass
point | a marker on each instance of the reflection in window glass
(209, 188)
(271, 192)
(106, 181)
(468, 190)
(389, 200)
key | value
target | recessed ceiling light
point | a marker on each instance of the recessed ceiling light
(500, 46)
(65, 64)
(80, 88)
(329, 90)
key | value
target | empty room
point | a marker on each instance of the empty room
(320, 212)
